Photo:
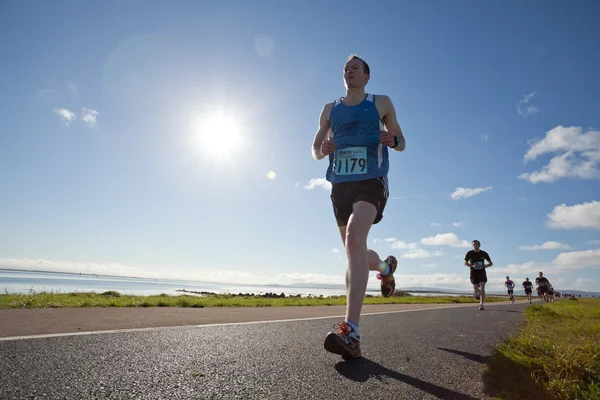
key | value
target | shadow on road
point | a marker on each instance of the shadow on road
(471, 356)
(362, 369)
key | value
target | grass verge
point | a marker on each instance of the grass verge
(115, 299)
(555, 356)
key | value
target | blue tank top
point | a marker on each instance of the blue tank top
(358, 153)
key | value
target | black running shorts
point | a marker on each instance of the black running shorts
(345, 194)
(476, 279)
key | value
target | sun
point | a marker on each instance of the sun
(218, 134)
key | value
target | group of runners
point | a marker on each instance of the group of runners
(544, 288)
(356, 133)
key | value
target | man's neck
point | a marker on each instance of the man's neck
(355, 95)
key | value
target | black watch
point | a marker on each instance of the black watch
(396, 142)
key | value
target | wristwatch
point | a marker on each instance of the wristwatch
(396, 142)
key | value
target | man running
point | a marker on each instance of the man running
(350, 134)
(510, 286)
(475, 259)
(543, 284)
(528, 286)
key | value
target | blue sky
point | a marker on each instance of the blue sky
(111, 161)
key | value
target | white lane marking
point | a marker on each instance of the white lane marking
(157, 328)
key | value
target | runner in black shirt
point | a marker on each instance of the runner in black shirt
(543, 284)
(475, 260)
(528, 286)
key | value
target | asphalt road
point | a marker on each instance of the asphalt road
(425, 354)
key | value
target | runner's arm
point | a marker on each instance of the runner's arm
(323, 132)
(391, 123)
(489, 260)
(466, 260)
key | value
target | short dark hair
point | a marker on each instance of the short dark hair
(366, 68)
(476, 241)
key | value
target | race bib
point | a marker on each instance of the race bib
(478, 265)
(351, 161)
(542, 283)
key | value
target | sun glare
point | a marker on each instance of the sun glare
(218, 135)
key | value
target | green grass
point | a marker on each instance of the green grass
(115, 299)
(555, 356)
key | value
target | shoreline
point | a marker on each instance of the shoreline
(289, 290)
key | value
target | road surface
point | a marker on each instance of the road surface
(436, 353)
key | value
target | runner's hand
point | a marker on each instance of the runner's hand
(327, 147)
(386, 138)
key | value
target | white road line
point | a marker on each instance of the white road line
(51, 335)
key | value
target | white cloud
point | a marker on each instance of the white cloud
(547, 246)
(567, 165)
(524, 107)
(335, 250)
(458, 224)
(89, 116)
(402, 245)
(65, 115)
(529, 269)
(445, 239)
(594, 241)
(435, 224)
(578, 259)
(563, 138)
(171, 272)
(485, 138)
(564, 263)
(394, 243)
(463, 193)
(386, 240)
(585, 285)
(316, 182)
(420, 253)
(586, 215)
(440, 280)
(577, 154)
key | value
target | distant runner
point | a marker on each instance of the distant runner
(475, 259)
(510, 286)
(550, 292)
(528, 286)
(543, 284)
